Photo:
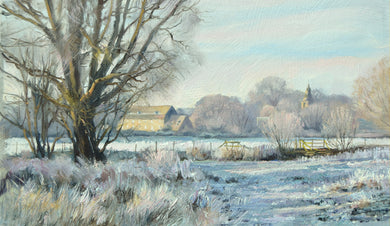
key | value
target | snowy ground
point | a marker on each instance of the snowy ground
(342, 189)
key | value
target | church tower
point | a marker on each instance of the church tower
(308, 99)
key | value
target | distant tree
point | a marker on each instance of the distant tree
(281, 128)
(330, 101)
(372, 95)
(253, 113)
(267, 111)
(269, 91)
(32, 113)
(313, 116)
(288, 105)
(291, 102)
(318, 95)
(338, 100)
(340, 127)
(221, 114)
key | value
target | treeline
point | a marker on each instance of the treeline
(224, 115)
(274, 110)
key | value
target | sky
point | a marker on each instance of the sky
(327, 43)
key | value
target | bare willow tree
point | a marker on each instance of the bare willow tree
(110, 52)
(29, 111)
(340, 127)
(372, 95)
(282, 128)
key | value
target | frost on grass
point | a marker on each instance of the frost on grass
(156, 191)
(340, 189)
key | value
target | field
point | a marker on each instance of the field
(176, 143)
(142, 186)
(157, 190)
(343, 189)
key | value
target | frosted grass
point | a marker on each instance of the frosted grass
(342, 189)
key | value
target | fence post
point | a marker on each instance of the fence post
(16, 151)
(156, 146)
(173, 145)
(211, 146)
(135, 147)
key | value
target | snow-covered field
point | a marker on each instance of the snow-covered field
(140, 143)
(342, 189)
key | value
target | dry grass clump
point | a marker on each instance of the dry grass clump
(263, 152)
(370, 179)
(59, 192)
(200, 153)
(367, 190)
(361, 204)
(232, 153)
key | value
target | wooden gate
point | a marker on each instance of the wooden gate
(313, 146)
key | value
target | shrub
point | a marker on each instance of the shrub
(340, 128)
(198, 153)
(281, 128)
(232, 153)
(312, 116)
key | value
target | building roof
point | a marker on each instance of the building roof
(176, 121)
(163, 109)
(149, 112)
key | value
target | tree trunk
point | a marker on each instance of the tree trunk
(40, 149)
(85, 144)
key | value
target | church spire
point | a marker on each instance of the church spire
(308, 99)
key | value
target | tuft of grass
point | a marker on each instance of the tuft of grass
(234, 153)
(363, 179)
(199, 153)
(262, 152)
(128, 192)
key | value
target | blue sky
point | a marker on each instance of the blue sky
(327, 43)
